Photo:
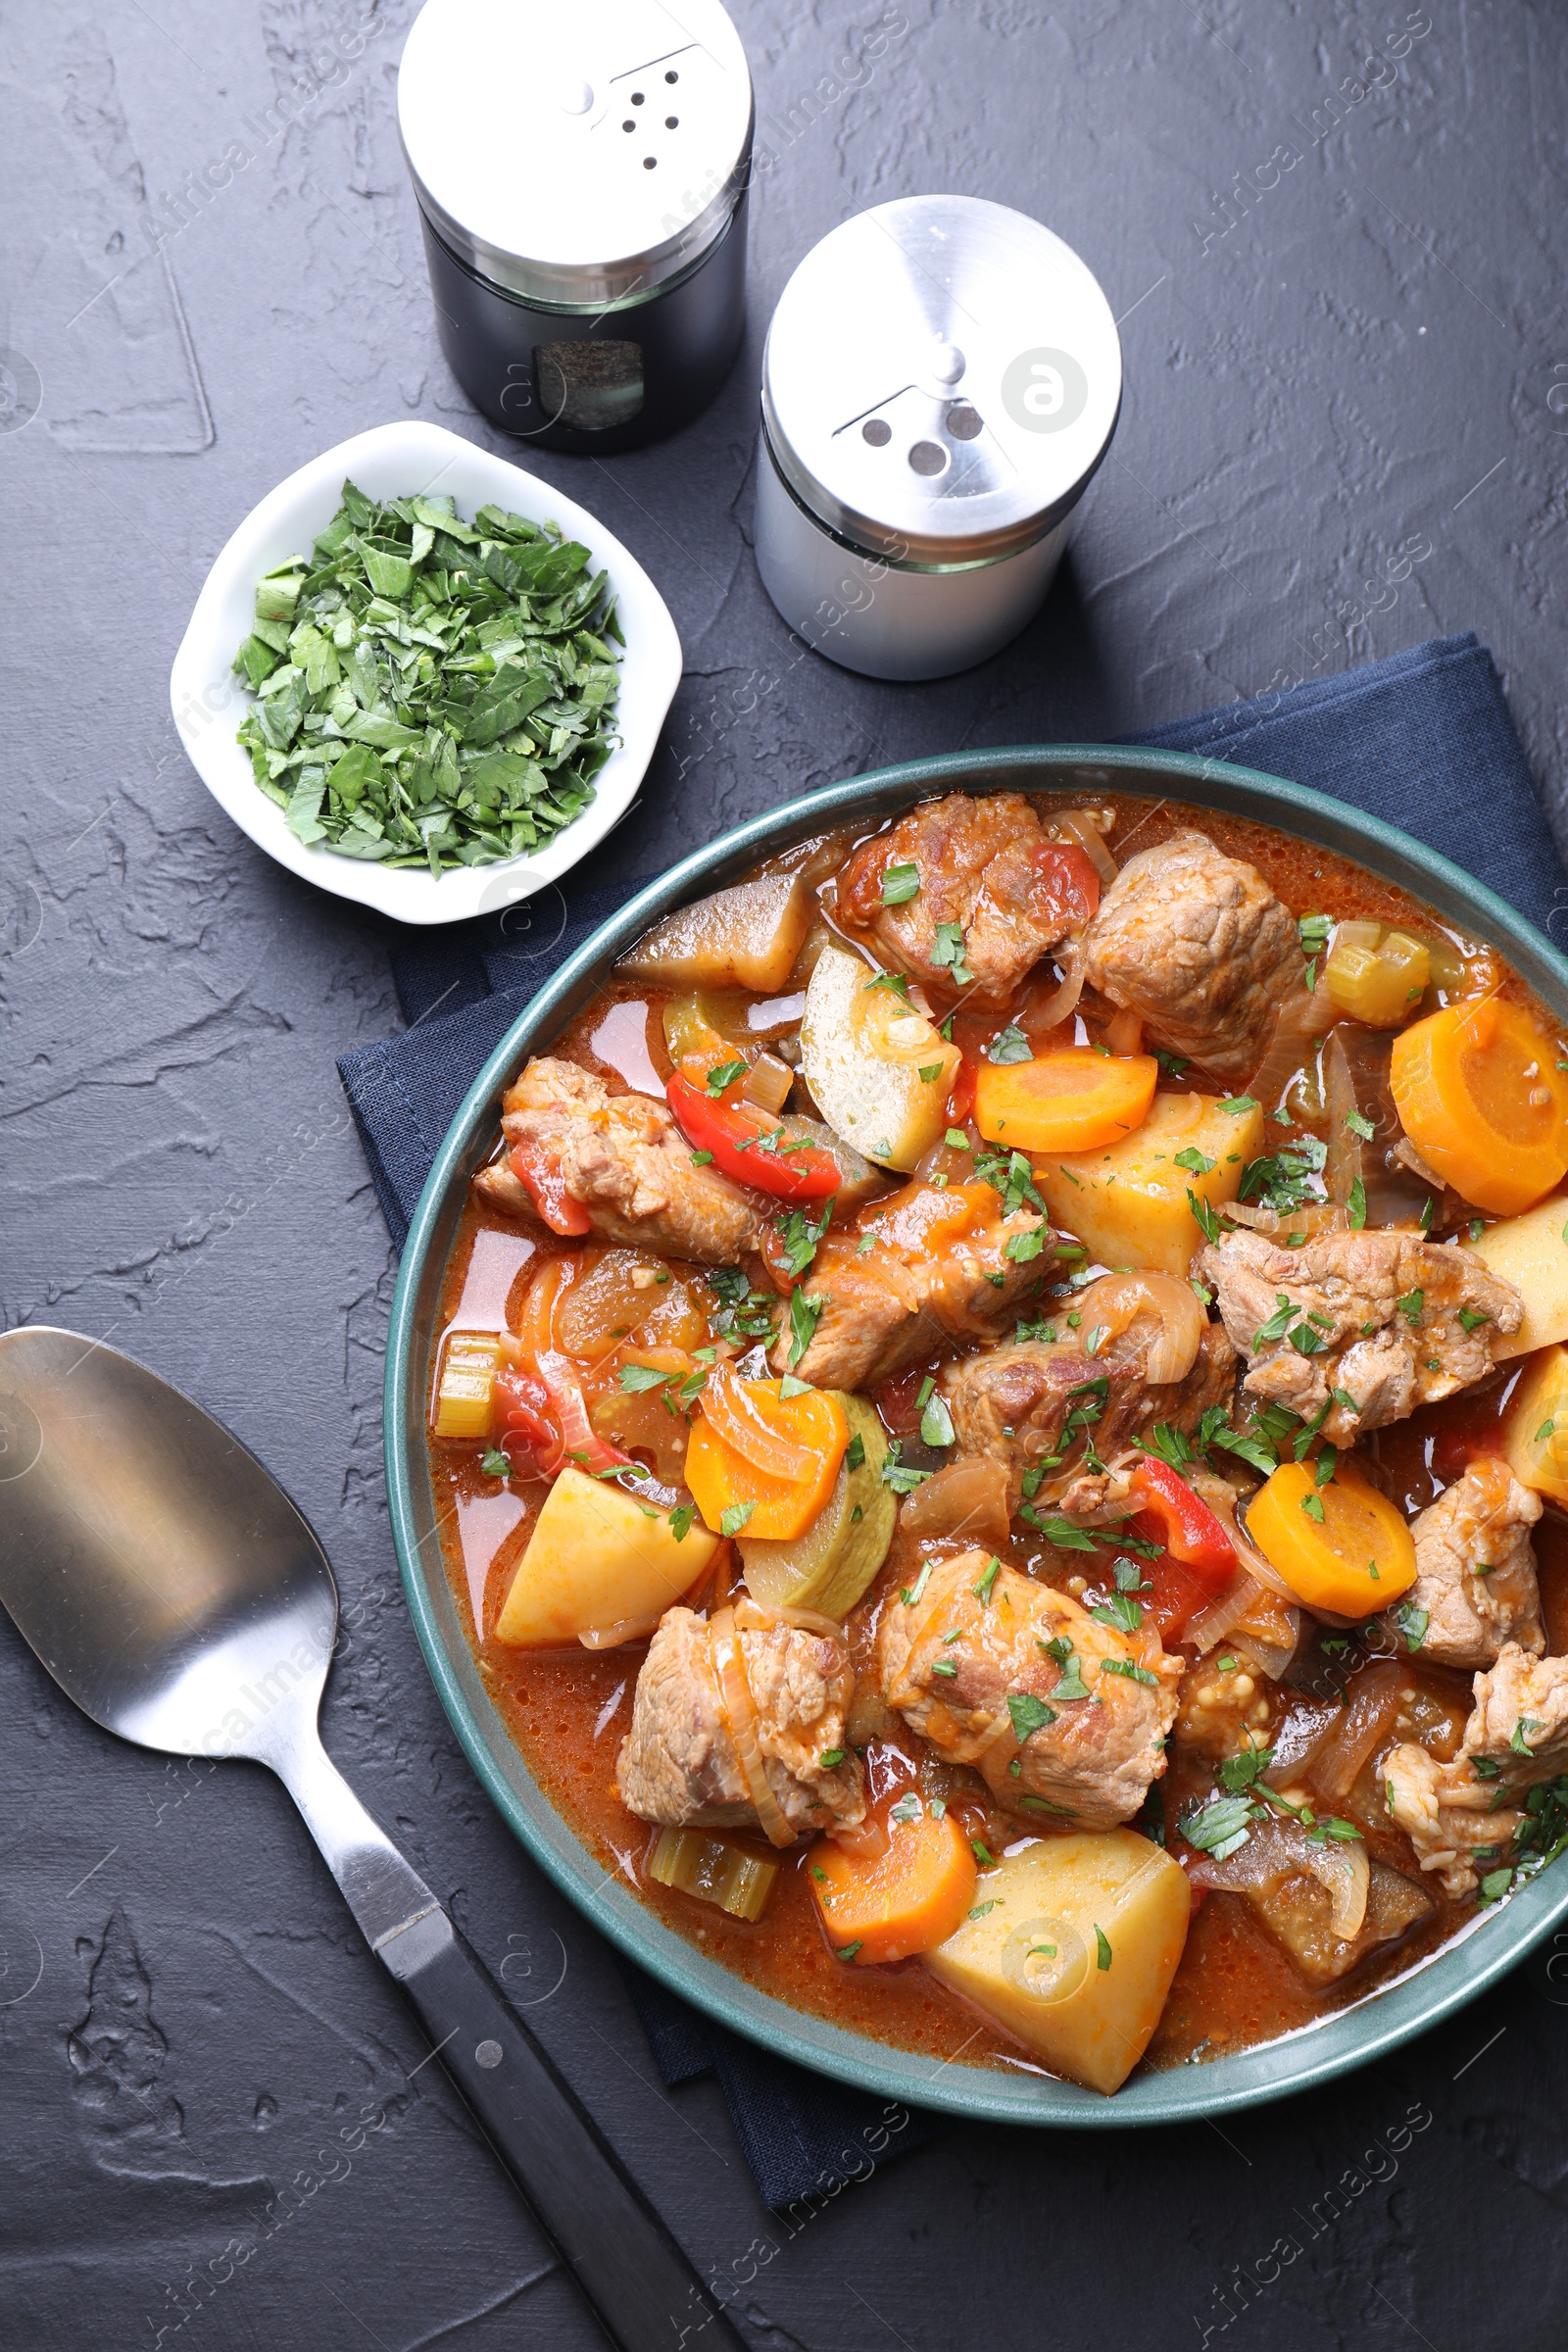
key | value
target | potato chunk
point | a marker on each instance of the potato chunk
(747, 937)
(1072, 1947)
(1536, 1431)
(1530, 1251)
(878, 1070)
(597, 1563)
(1127, 1203)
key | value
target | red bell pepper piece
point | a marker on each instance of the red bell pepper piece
(734, 1132)
(1197, 1559)
(542, 1180)
(543, 1409)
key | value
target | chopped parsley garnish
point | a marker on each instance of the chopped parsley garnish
(1236, 1104)
(701, 1159)
(910, 1593)
(430, 692)
(1411, 1622)
(1517, 1737)
(1220, 1828)
(955, 1140)
(1359, 1124)
(855, 1454)
(982, 1590)
(1133, 1674)
(1028, 1713)
(982, 1855)
(1312, 1506)
(1010, 1044)
(893, 982)
(1208, 1222)
(1021, 1247)
(799, 1235)
(635, 1378)
(1009, 1174)
(1282, 1179)
(494, 1463)
(722, 1074)
(908, 1808)
(1411, 1304)
(1357, 1206)
(1059, 1532)
(948, 952)
(1279, 1321)
(1313, 932)
(1195, 1163)
(901, 1476)
(850, 1949)
(1172, 1064)
(1121, 1611)
(900, 883)
(1471, 1318)
(805, 1314)
(735, 1517)
(1102, 1950)
(936, 1423)
(1072, 1684)
(681, 1521)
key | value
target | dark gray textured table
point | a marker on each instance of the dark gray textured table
(1342, 299)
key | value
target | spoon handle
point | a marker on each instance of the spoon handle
(643, 2291)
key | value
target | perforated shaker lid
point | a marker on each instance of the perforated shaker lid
(942, 377)
(577, 155)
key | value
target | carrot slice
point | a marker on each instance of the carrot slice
(1069, 1100)
(1356, 1557)
(812, 1429)
(1481, 1092)
(907, 1899)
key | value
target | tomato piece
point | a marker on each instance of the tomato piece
(731, 1132)
(541, 1179)
(1067, 891)
(1197, 1559)
(540, 1406)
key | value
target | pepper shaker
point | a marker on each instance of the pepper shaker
(940, 381)
(581, 176)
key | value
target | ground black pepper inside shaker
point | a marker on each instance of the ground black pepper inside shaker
(581, 177)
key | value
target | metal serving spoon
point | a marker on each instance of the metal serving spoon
(176, 1594)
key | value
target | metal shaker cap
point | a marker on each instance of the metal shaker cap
(941, 380)
(578, 155)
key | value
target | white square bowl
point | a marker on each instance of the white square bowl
(397, 460)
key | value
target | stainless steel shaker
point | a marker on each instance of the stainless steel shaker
(940, 381)
(581, 176)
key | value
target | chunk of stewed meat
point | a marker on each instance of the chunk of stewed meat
(1386, 1319)
(991, 883)
(1475, 1586)
(619, 1159)
(1459, 1824)
(1198, 945)
(1038, 1406)
(681, 1764)
(1520, 1717)
(1064, 1719)
(922, 1273)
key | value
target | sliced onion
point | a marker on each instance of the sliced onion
(1117, 1302)
(735, 1418)
(1208, 1628)
(1331, 1765)
(536, 1325)
(580, 1439)
(740, 1714)
(1073, 961)
(1303, 1016)
(967, 1497)
(1270, 1655)
(867, 1840)
(1079, 825)
(752, 1617)
(624, 1628)
(1342, 1169)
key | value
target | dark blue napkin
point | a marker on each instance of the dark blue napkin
(1422, 740)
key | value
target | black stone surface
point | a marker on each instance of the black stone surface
(1342, 307)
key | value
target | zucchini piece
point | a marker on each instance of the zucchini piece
(830, 1566)
(878, 1070)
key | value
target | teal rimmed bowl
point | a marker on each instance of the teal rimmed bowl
(1432, 1990)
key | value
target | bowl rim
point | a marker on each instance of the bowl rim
(205, 698)
(1433, 1990)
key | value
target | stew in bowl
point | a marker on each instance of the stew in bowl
(995, 1428)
